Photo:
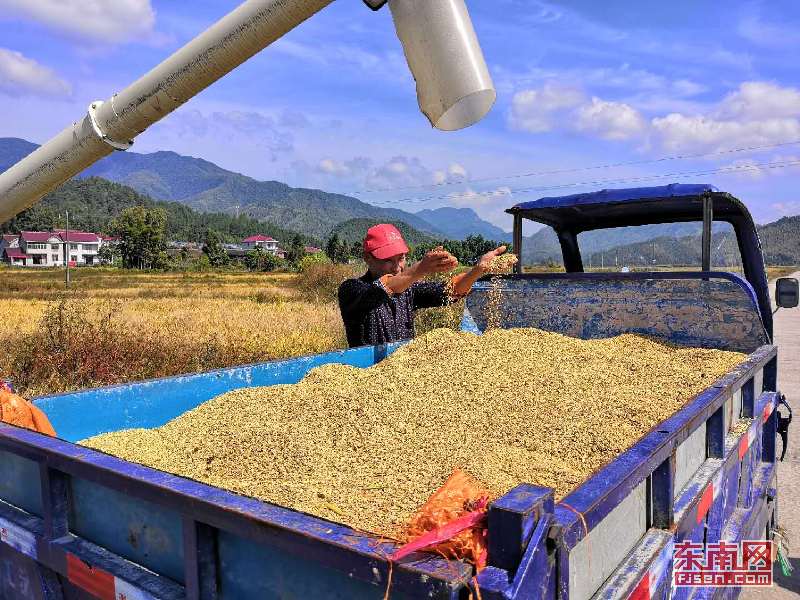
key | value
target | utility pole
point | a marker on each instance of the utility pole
(66, 253)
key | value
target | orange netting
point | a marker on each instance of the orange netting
(452, 522)
(15, 410)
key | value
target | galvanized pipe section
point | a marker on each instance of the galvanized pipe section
(114, 123)
(454, 88)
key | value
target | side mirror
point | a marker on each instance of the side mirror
(787, 292)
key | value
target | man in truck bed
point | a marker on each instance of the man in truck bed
(379, 306)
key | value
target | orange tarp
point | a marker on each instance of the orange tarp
(15, 410)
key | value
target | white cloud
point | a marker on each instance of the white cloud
(99, 20)
(751, 169)
(699, 133)
(248, 129)
(624, 79)
(757, 113)
(746, 168)
(543, 109)
(388, 65)
(360, 172)
(761, 100)
(21, 76)
(554, 106)
(354, 168)
(330, 166)
(453, 174)
(610, 120)
(755, 29)
(294, 119)
(401, 171)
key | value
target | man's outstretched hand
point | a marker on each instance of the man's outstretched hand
(437, 260)
(485, 261)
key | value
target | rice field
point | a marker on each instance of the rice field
(113, 326)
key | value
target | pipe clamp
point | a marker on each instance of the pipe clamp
(116, 145)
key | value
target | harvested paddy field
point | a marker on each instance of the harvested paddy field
(116, 326)
(367, 447)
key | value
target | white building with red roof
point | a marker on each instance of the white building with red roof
(10, 251)
(47, 248)
(266, 243)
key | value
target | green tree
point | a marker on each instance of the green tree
(258, 260)
(310, 260)
(142, 243)
(336, 250)
(357, 250)
(272, 262)
(212, 247)
(108, 254)
(296, 250)
(467, 251)
(253, 259)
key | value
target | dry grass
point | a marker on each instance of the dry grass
(776, 272)
(118, 326)
(366, 447)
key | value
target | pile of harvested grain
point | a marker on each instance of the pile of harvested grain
(503, 264)
(366, 447)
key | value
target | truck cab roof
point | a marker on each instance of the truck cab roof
(671, 203)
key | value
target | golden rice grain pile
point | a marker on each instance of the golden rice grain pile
(366, 447)
(503, 264)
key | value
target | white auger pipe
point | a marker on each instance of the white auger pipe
(453, 84)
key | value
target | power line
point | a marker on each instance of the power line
(578, 169)
(722, 170)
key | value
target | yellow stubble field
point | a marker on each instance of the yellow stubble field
(114, 325)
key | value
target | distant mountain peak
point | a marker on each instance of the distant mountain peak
(459, 222)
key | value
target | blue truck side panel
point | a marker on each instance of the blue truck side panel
(152, 403)
(17, 469)
(140, 531)
(85, 517)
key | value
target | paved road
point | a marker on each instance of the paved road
(787, 337)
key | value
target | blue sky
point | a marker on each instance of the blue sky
(332, 104)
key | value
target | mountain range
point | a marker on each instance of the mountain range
(458, 223)
(543, 245)
(93, 203)
(208, 188)
(780, 242)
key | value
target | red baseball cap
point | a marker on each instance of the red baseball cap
(384, 240)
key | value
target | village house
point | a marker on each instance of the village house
(47, 248)
(266, 243)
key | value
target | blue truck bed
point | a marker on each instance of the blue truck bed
(76, 523)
